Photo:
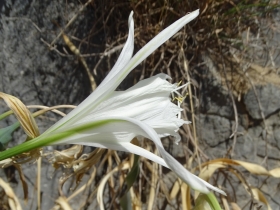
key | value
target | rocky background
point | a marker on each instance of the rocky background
(237, 112)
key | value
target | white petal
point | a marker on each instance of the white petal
(192, 180)
(147, 101)
(122, 68)
(158, 40)
(128, 147)
(115, 135)
(125, 55)
(120, 130)
(107, 86)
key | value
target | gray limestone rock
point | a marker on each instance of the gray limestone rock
(269, 97)
(213, 129)
(28, 68)
(36, 75)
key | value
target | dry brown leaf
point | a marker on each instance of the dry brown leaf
(175, 189)
(251, 167)
(258, 195)
(22, 114)
(210, 167)
(259, 170)
(84, 163)
(66, 157)
(9, 162)
(12, 198)
(207, 171)
(186, 196)
(152, 195)
(235, 206)
(23, 181)
(62, 204)
(185, 193)
(124, 166)
(6, 163)
(225, 203)
(80, 167)
(275, 172)
(136, 202)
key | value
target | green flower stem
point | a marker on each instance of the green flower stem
(211, 198)
(49, 139)
(5, 114)
(207, 201)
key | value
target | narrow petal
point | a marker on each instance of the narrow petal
(128, 147)
(147, 101)
(125, 55)
(192, 180)
(105, 88)
(157, 41)
(120, 130)
(123, 67)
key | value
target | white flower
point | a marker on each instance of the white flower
(111, 119)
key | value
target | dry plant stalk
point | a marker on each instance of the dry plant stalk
(208, 169)
(76, 51)
(12, 198)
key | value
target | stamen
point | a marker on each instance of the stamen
(180, 87)
(180, 98)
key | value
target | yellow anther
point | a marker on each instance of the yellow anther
(179, 83)
(180, 99)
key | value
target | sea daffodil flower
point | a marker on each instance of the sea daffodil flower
(111, 119)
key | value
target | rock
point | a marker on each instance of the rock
(29, 70)
(269, 96)
(245, 148)
(213, 129)
(36, 75)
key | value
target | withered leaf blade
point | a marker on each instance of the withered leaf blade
(66, 157)
(23, 181)
(12, 198)
(22, 114)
